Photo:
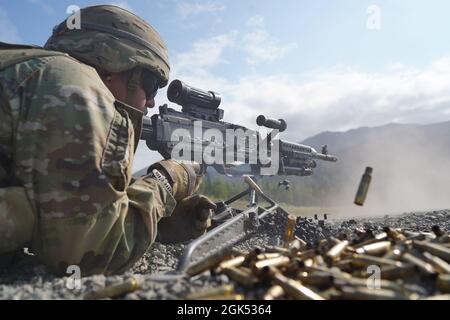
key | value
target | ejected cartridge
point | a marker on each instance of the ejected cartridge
(393, 234)
(443, 283)
(113, 291)
(208, 263)
(274, 292)
(361, 194)
(334, 253)
(377, 248)
(363, 293)
(233, 262)
(274, 262)
(316, 279)
(361, 260)
(439, 265)
(242, 276)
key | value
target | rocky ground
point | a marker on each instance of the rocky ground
(28, 280)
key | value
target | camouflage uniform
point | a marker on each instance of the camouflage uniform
(66, 150)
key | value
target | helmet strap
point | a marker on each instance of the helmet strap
(133, 84)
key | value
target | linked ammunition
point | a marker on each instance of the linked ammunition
(274, 292)
(113, 291)
(224, 290)
(433, 248)
(265, 256)
(376, 238)
(363, 187)
(241, 275)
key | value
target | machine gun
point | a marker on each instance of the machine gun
(162, 133)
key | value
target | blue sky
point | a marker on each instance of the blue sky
(319, 64)
(325, 33)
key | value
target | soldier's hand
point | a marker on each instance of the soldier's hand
(190, 219)
(183, 176)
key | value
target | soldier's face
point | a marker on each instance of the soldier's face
(119, 88)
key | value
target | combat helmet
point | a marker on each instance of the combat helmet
(113, 39)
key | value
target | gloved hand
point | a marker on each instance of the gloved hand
(190, 219)
(183, 176)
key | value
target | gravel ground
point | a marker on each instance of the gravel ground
(29, 280)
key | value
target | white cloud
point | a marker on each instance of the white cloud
(44, 6)
(186, 9)
(8, 31)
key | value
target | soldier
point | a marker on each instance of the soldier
(71, 117)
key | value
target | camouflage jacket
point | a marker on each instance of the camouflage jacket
(66, 150)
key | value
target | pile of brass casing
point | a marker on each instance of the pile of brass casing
(395, 264)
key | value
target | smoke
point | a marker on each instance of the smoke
(411, 171)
